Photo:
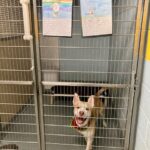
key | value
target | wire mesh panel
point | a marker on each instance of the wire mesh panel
(58, 115)
(18, 114)
(83, 65)
(96, 59)
(18, 119)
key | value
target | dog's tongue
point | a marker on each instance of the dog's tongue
(80, 120)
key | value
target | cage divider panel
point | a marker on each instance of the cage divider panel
(17, 94)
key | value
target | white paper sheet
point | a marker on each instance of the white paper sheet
(57, 17)
(96, 17)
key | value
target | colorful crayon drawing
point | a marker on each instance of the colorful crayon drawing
(96, 17)
(57, 17)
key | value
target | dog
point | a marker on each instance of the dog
(85, 114)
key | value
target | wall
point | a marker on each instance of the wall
(76, 55)
(143, 127)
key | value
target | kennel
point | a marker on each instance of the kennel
(39, 77)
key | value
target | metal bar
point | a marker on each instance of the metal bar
(110, 147)
(7, 58)
(15, 70)
(70, 95)
(139, 74)
(61, 116)
(79, 136)
(68, 126)
(6, 46)
(114, 6)
(26, 142)
(72, 20)
(2, 103)
(113, 20)
(35, 94)
(11, 33)
(77, 20)
(18, 114)
(76, 47)
(73, 107)
(24, 133)
(54, 70)
(85, 84)
(16, 104)
(42, 130)
(3, 82)
(92, 60)
(19, 94)
(79, 34)
(134, 67)
(23, 123)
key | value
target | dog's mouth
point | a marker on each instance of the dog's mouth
(80, 120)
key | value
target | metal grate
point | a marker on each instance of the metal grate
(17, 93)
(100, 59)
(69, 65)
(58, 113)
(65, 66)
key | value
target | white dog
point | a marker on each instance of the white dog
(85, 114)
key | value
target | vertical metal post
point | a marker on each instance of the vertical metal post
(139, 74)
(134, 65)
(37, 47)
(27, 36)
(35, 94)
(34, 80)
(138, 37)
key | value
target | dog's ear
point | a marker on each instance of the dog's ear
(76, 99)
(91, 101)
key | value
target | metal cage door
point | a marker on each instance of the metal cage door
(77, 64)
(19, 125)
(39, 77)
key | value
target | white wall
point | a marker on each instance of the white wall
(143, 129)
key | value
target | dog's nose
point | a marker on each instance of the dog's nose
(81, 113)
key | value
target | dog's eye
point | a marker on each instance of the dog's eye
(78, 107)
(87, 109)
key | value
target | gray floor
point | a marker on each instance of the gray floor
(58, 133)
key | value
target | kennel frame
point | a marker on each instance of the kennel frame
(139, 70)
(133, 92)
(139, 37)
(38, 83)
(16, 34)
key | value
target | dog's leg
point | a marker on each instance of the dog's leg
(90, 138)
(89, 143)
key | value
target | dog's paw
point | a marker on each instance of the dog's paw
(89, 148)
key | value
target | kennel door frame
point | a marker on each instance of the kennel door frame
(23, 82)
(133, 85)
(139, 73)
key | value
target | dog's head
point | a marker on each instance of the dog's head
(82, 110)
